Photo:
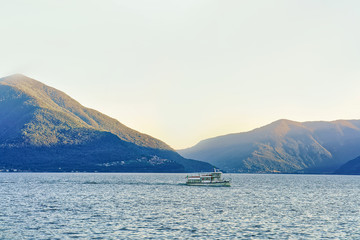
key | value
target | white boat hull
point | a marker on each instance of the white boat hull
(213, 184)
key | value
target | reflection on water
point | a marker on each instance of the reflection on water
(160, 206)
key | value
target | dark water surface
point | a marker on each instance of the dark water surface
(160, 206)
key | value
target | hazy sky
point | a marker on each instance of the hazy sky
(186, 70)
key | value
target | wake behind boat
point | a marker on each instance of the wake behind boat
(208, 179)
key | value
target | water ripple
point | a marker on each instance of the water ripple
(160, 206)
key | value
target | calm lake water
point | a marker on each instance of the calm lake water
(160, 206)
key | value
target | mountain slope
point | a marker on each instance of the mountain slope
(283, 146)
(43, 129)
(351, 167)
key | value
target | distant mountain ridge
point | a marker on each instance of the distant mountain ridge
(351, 167)
(283, 146)
(43, 129)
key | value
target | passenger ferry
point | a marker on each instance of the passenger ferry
(208, 179)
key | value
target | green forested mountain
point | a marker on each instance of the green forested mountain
(283, 146)
(43, 129)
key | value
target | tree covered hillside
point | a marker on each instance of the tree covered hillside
(43, 129)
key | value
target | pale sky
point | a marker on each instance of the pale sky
(187, 70)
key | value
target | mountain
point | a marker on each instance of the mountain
(43, 129)
(351, 167)
(283, 146)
